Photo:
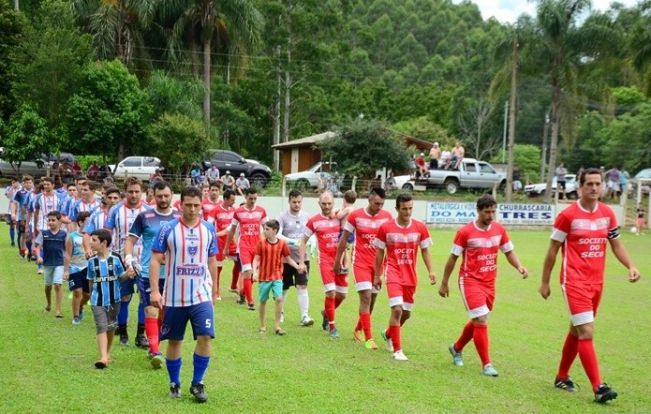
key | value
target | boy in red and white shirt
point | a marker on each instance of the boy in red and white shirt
(326, 227)
(479, 242)
(249, 219)
(583, 230)
(401, 239)
(222, 217)
(364, 224)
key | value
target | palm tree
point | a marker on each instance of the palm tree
(231, 28)
(117, 26)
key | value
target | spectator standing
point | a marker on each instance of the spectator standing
(560, 173)
(434, 156)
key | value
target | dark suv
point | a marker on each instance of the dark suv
(258, 174)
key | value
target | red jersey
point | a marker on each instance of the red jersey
(271, 259)
(222, 218)
(327, 231)
(479, 249)
(365, 227)
(249, 222)
(207, 207)
(584, 235)
(401, 244)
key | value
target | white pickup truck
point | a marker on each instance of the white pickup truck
(471, 174)
(313, 177)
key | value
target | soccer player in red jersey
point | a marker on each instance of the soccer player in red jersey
(364, 223)
(326, 227)
(222, 217)
(249, 218)
(401, 239)
(209, 204)
(479, 242)
(582, 232)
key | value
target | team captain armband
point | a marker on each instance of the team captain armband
(613, 233)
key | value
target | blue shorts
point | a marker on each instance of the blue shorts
(145, 290)
(175, 319)
(127, 286)
(78, 280)
(273, 286)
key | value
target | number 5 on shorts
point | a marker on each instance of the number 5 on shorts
(208, 323)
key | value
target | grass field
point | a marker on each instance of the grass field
(46, 365)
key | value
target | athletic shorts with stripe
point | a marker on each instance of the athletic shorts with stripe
(246, 259)
(582, 301)
(401, 295)
(338, 283)
(478, 297)
(145, 289)
(364, 276)
(175, 319)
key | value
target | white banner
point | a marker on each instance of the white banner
(511, 214)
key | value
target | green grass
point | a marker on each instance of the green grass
(47, 364)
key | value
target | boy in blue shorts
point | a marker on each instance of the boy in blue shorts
(51, 242)
(75, 268)
(104, 271)
(188, 246)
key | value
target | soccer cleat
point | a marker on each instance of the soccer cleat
(457, 359)
(334, 334)
(357, 335)
(604, 393)
(387, 341)
(324, 322)
(81, 315)
(76, 321)
(251, 307)
(175, 390)
(307, 321)
(156, 360)
(400, 356)
(141, 341)
(489, 371)
(241, 300)
(199, 393)
(565, 385)
(124, 337)
(370, 344)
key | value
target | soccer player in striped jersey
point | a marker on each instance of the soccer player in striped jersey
(188, 248)
(582, 231)
(326, 227)
(401, 238)
(364, 223)
(479, 242)
(86, 202)
(97, 219)
(119, 220)
(48, 200)
(249, 219)
(268, 269)
(222, 218)
(104, 272)
(146, 228)
(21, 213)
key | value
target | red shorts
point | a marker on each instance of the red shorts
(401, 295)
(331, 281)
(583, 302)
(246, 259)
(478, 297)
(363, 277)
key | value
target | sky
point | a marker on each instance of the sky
(507, 11)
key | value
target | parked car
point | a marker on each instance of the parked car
(313, 177)
(471, 174)
(534, 190)
(141, 167)
(258, 174)
(35, 168)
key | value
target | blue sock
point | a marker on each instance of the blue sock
(174, 370)
(123, 315)
(200, 367)
(141, 314)
(12, 235)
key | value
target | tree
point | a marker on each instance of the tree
(27, 137)
(173, 95)
(12, 26)
(362, 147)
(471, 126)
(427, 130)
(108, 113)
(179, 140)
(49, 61)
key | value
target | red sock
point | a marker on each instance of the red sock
(338, 301)
(365, 318)
(330, 311)
(395, 337)
(151, 329)
(589, 360)
(248, 290)
(570, 349)
(235, 276)
(466, 336)
(480, 337)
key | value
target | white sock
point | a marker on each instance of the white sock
(303, 302)
(285, 293)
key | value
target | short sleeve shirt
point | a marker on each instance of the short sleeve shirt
(365, 227)
(271, 259)
(401, 244)
(249, 222)
(327, 231)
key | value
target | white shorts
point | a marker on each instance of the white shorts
(53, 275)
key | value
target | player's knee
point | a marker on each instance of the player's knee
(151, 312)
(585, 331)
(481, 320)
